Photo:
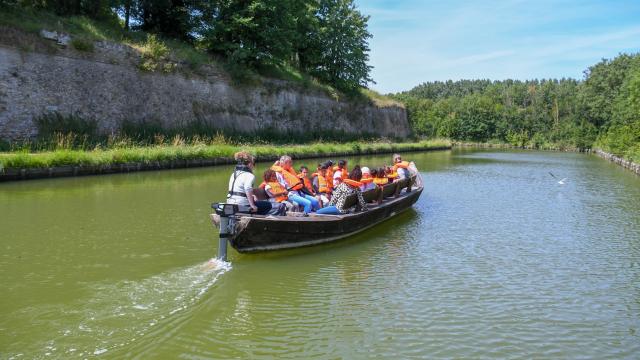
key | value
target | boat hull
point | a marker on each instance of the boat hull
(256, 234)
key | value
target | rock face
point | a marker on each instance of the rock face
(107, 86)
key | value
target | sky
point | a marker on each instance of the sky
(418, 41)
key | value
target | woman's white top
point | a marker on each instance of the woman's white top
(243, 183)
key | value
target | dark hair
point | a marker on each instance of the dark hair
(329, 163)
(268, 175)
(373, 172)
(381, 172)
(342, 163)
(356, 173)
(303, 168)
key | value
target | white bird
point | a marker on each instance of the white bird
(561, 182)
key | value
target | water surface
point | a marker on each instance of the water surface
(495, 260)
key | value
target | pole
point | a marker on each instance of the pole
(224, 235)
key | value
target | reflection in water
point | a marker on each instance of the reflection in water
(495, 260)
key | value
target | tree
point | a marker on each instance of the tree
(339, 51)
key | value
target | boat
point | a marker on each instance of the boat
(256, 233)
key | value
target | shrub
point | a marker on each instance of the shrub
(82, 45)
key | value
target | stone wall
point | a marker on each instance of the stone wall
(107, 86)
(620, 161)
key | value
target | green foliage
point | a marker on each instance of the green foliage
(177, 148)
(82, 45)
(603, 109)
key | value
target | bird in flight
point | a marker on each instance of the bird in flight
(561, 181)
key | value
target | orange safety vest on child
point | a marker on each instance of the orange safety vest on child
(277, 188)
(381, 181)
(329, 178)
(292, 180)
(323, 185)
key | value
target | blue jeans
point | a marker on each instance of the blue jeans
(329, 210)
(307, 201)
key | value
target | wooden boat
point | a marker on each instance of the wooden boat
(254, 233)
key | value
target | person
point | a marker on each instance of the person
(308, 188)
(288, 178)
(329, 177)
(277, 193)
(390, 174)
(241, 185)
(339, 172)
(321, 184)
(400, 167)
(342, 191)
(367, 180)
(379, 178)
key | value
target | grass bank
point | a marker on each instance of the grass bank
(24, 164)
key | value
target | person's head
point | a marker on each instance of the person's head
(380, 172)
(356, 173)
(365, 171)
(269, 176)
(342, 164)
(329, 163)
(244, 158)
(323, 170)
(319, 167)
(286, 162)
(304, 171)
(397, 158)
(374, 172)
(387, 170)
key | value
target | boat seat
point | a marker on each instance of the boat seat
(350, 201)
(371, 195)
(389, 190)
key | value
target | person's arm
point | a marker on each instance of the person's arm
(315, 184)
(248, 190)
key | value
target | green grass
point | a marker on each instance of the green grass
(199, 150)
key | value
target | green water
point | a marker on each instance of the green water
(496, 260)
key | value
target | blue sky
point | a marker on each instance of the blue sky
(417, 41)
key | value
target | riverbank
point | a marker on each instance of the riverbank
(627, 164)
(66, 162)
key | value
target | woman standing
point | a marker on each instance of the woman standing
(241, 185)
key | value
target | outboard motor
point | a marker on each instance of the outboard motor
(226, 213)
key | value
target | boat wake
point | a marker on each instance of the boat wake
(116, 315)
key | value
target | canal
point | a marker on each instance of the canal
(495, 260)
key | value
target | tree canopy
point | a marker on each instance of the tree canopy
(326, 38)
(602, 109)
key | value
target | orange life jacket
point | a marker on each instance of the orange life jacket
(329, 177)
(352, 183)
(343, 172)
(366, 179)
(277, 188)
(381, 181)
(323, 185)
(400, 165)
(392, 176)
(292, 180)
(307, 183)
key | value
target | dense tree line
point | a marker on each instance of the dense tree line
(327, 39)
(604, 107)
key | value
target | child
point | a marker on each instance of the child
(380, 179)
(308, 186)
(367, 180)
(321, 185)
(277, 194)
